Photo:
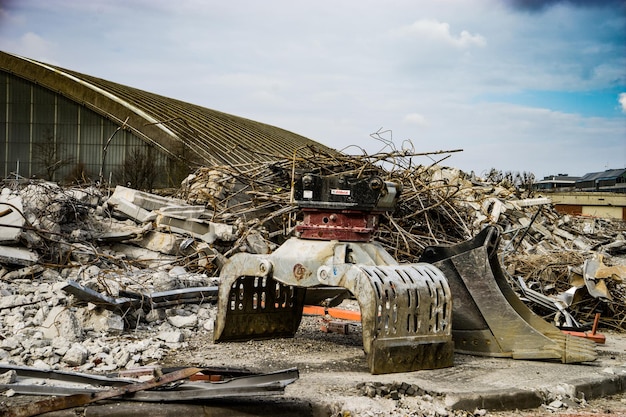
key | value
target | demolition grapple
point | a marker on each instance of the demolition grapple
(409, 312)
(405, 309)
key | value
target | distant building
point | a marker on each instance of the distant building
(61, 125)
(559, 182)
(593, 204)
(610, 181)
(597, 194)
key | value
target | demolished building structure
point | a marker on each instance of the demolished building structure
(83, 266)
(132, 246)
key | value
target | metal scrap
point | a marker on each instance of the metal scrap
(76, 400)
(203, 384)
(161, 299)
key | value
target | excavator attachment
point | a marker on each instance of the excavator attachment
(405, 314)
(258, 308)
(488, 317)
(405, 309)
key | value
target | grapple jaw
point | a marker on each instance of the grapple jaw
(406, 313)
(406, 310)
(489, 318)
(258, 308)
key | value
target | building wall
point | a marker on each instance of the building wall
(597, 204)
(45, 135)
(572, 209)
(603, 212)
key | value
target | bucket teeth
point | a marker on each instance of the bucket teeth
(487, 317)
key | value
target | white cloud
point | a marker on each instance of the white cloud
(416, 119)
(31, 45)
(440, 31)
(336, 73)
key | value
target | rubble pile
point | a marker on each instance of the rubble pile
(80, 267)
(440, 205)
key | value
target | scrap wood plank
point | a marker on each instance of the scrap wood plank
(76, 400)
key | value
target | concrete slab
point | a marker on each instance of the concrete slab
(474, 382)
(17, 256)
(165, 243)
(187, 212)
(11, 219)
(200, 229)
(130, 209)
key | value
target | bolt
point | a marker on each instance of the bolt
(298, 271)
(323, 276)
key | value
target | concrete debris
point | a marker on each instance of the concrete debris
(82, 268)
(11, 218)
(10, 255)
(394, 390)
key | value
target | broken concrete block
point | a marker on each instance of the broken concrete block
(10, 343)
(8, 377)
(155, 316)
(62, 322)
(166, 243)
(11, 218)
(39, 364)
(140, 206)
(153, 259)
(60, 345)
(103, 321)
(494, 207)
(257, 244)
(529, 202)
(10, 301)
(201, 229)
(29, 271)
(563, 233)
(76, 355)
(163, 281)
(154, 202)
(185, 212)
(208, 325)
(183, 321)
(130, 210)
(171, 337)
(121, 358)
(10, 255)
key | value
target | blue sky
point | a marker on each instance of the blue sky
(519, 85)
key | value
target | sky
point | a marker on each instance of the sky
(518, 85)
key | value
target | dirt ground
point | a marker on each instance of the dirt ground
(333, 367)
(332, 371)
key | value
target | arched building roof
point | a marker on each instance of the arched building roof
(209, 136)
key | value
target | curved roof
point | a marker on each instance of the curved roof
(210, 136)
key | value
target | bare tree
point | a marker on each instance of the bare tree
(139, 169)
(50, 154)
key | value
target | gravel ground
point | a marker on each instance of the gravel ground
(333, 371)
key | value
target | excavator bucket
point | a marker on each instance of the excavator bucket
(487, 317)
